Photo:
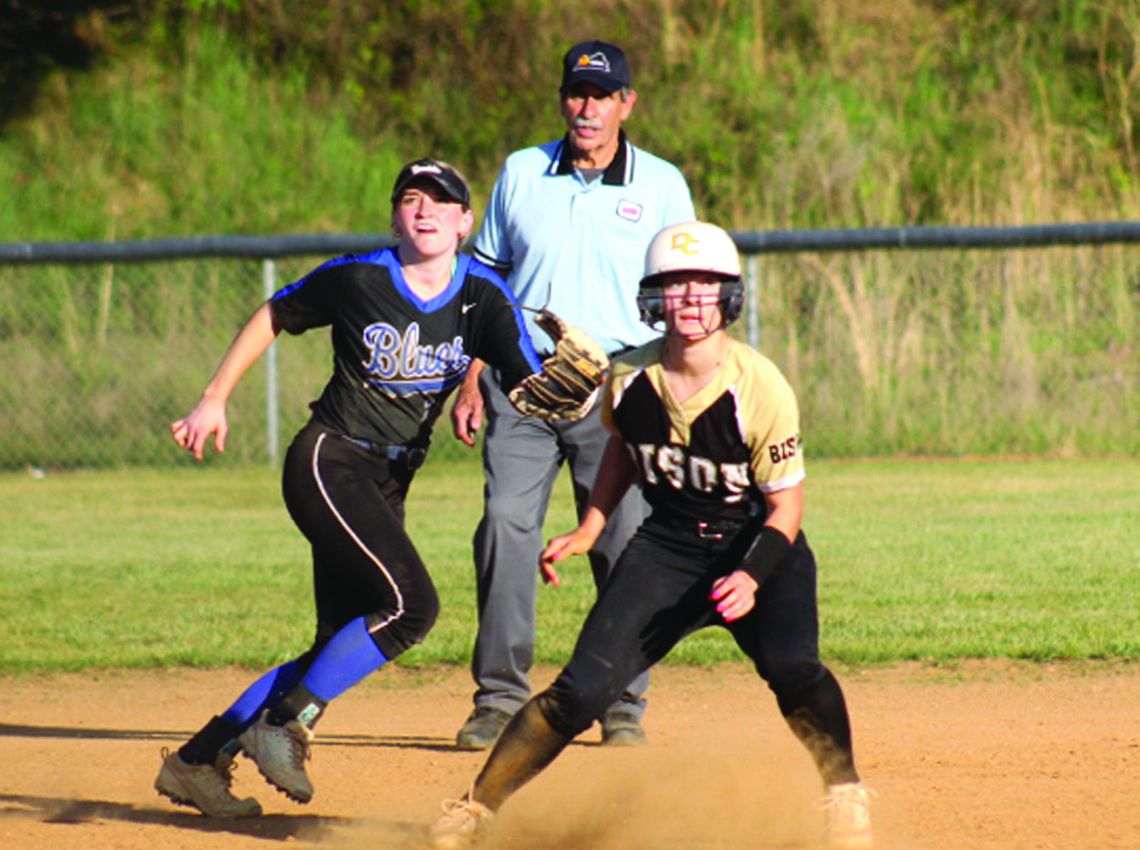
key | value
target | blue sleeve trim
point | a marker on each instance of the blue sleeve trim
(347, 259)
(526, 346)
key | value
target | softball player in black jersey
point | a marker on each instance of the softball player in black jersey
(405, 323)
(709, 429)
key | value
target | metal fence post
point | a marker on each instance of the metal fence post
(272, 402)
(752, 283)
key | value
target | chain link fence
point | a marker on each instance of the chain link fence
(891, 351)
(100, 359)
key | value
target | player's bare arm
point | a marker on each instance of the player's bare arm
(615, 475)
(735, 593)
(209, 415)
(467, 412)
(786, 510)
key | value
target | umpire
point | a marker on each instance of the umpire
(567, 225)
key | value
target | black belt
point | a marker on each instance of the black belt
(715, 529)
(412, 457)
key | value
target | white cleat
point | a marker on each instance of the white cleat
(848, 808)
(205, 787)
(460, 825)
(280, 753)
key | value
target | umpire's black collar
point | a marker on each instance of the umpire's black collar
(618, 173)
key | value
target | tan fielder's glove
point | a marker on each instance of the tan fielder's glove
(568, 384)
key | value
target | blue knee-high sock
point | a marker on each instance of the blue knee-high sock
(220, 734)
(346, 659)
(265, 692)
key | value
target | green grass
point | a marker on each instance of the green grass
(937, 561)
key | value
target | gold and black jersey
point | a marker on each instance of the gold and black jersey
(713, 456)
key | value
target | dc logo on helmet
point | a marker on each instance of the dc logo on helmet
(694, 246)
(684, 243)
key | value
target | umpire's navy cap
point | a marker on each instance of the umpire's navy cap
(596, 62)
(437, 172)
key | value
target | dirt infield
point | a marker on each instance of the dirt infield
(982, 757)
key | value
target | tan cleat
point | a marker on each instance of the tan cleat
(460, 825)
(205, 787)
(848, 808)
(280, 753)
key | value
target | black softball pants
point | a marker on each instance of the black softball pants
(349, 504)
(658, 593)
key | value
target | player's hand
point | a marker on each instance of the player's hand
(734, 595)
(577, 542)
(193, 430)
(467, 412)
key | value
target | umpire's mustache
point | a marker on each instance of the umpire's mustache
(587, 124)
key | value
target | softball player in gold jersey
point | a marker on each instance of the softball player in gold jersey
(709, 429)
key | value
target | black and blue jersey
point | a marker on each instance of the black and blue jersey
(396, 357)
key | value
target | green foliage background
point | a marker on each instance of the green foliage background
(255, 116)
(155, 118)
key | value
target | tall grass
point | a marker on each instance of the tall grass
(918, 353)
(94, 376)
(187, 144)
(1018, 352)
(811, 113)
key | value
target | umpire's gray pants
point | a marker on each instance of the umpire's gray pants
(521, 460)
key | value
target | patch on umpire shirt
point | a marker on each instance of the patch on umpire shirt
(629, 210)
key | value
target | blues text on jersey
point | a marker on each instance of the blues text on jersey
(399, 364)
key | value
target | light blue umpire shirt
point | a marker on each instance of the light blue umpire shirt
(577, 247)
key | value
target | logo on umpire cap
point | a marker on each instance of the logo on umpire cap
(594, 62)
(597, 62)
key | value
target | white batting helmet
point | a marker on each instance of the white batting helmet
(692, 246)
